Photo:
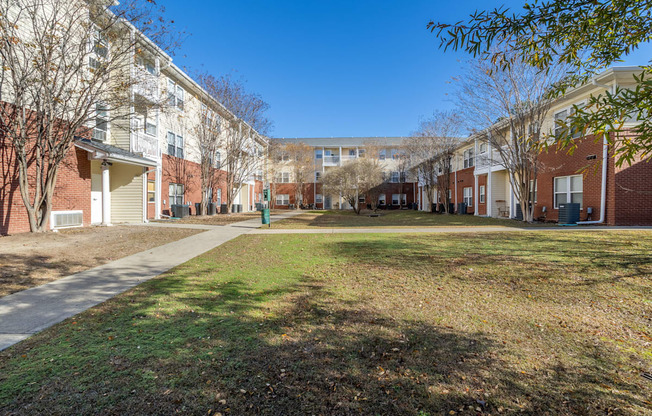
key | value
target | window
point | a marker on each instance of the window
(146, 65)
(482, 194)
(393, 153)
(562, 117)
(319, 154)
(218, 160)
(150, 127)
(402, 177)
(533, 128)
(282, 199)
(317, 176)
(382, 154)
(151, 191)
(394, 177)
(219, 196)
(176, 194)
(450, 195)
(468, 158)
(533, 188)
(382, 199)
(468, 196)
(398, 199)
(283, 157)
(176, 95)
(319, 199)
(101, 122)
(175, 145)
(360, 152)
(283, 177)
(352, 152)
(100, 52)
(361, 199)
(568, 189)
(483, 147)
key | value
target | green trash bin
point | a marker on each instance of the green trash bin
(265, 216)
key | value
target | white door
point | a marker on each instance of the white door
(96, 198)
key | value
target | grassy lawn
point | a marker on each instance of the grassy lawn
(395, 218)
(531, 323)
(33, 259)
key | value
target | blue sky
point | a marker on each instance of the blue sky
(332, 67)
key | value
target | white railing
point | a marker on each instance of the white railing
(336, 160)
(145, 144)
(146, 84)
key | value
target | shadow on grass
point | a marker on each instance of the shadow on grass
(190, 343)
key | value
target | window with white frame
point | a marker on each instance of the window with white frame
(394, 177)
(393, 153)
(352, 152)
(150, 126)
(402, 177)
(561, 118)
(151, 191)
(533, 189)
(399, 199)
(382, 154)
(483, 147)
(176, 194)
(482, 194)
(317, 176)
(468, 158)
(319, 199)
(283, 177)
(100, 49)
(146, 65)
(361, 199)
(218, 160)
(176, 95)
(282, 199)
(319, 154)
(175, 145)
(219, 196)
(450, 195)
(361, 152)
(101, 122)
(568, 189)
(468, 196)
(382, 199)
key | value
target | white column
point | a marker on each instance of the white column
(476, 201)
(157, 187)
(489, 191)
(340, 164)
(106, 194)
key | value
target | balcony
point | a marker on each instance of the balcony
(146, 84)
(331, 161)
(146, 145)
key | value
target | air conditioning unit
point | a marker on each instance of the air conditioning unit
(66, 219)
(569, 213)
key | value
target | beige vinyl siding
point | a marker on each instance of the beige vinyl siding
(127, 184)
(499, 191)
(120, 132)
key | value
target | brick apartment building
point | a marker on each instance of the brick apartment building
(398, 190)
(606, 193)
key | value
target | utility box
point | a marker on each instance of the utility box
(461, 208)
(180, 211)
(569, 214)
(265, 216)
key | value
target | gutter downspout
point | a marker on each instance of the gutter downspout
(605, 160)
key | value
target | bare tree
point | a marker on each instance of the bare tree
(232, 94)
(430, 150)
(372, 151)
(353, 179)
(274, 166)
(243, 157)
(509, 105)
(302, 165)
(208, 128)
(64, 62)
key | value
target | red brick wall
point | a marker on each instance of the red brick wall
(482, 207)
(187, 173)
(72, 192)
(556, 163)
(633, 194)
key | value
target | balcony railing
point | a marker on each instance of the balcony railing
(145, 144)
(145, 84)
(337, 160)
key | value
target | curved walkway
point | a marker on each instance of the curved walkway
(30, 311)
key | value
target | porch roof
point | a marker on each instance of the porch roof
(103, 151)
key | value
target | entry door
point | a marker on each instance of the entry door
(328, 204)
(96, 198)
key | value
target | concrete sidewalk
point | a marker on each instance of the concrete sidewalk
(30, 311)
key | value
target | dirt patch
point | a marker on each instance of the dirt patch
(221, 219)
(28, 260)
